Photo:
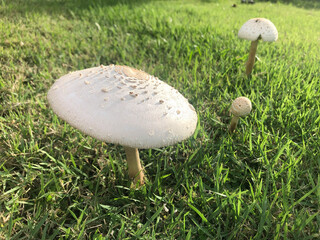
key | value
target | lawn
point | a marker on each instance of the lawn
(261, 182)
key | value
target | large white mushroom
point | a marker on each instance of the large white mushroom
(126, 106)
(253, 30)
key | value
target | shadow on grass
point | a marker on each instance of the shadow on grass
(10, 7)
(308, 4)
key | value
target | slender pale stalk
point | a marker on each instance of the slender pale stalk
(134, 165)
(252, 56)
(233, 124)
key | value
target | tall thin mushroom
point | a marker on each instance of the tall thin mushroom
(254, 30)
(126, 106)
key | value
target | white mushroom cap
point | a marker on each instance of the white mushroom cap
(241, 107)
(122, 105)
(255, 28)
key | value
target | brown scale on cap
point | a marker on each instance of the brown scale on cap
(132, 94)
(191, 107)
(131, 80)
(105, 90)
(132, 72)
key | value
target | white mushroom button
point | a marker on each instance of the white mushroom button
(253, 30)
(240, 107)
(127, 114)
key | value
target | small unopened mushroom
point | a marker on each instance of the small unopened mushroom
(240, 107)
(253, 30)
(133, 122)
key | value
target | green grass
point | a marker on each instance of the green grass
(260, 183)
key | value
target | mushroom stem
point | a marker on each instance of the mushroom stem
(252, 56)
(233, 124)
(134, 165)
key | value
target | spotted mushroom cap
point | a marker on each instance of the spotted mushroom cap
(241, 107)
(123, 105)
(258, 27)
